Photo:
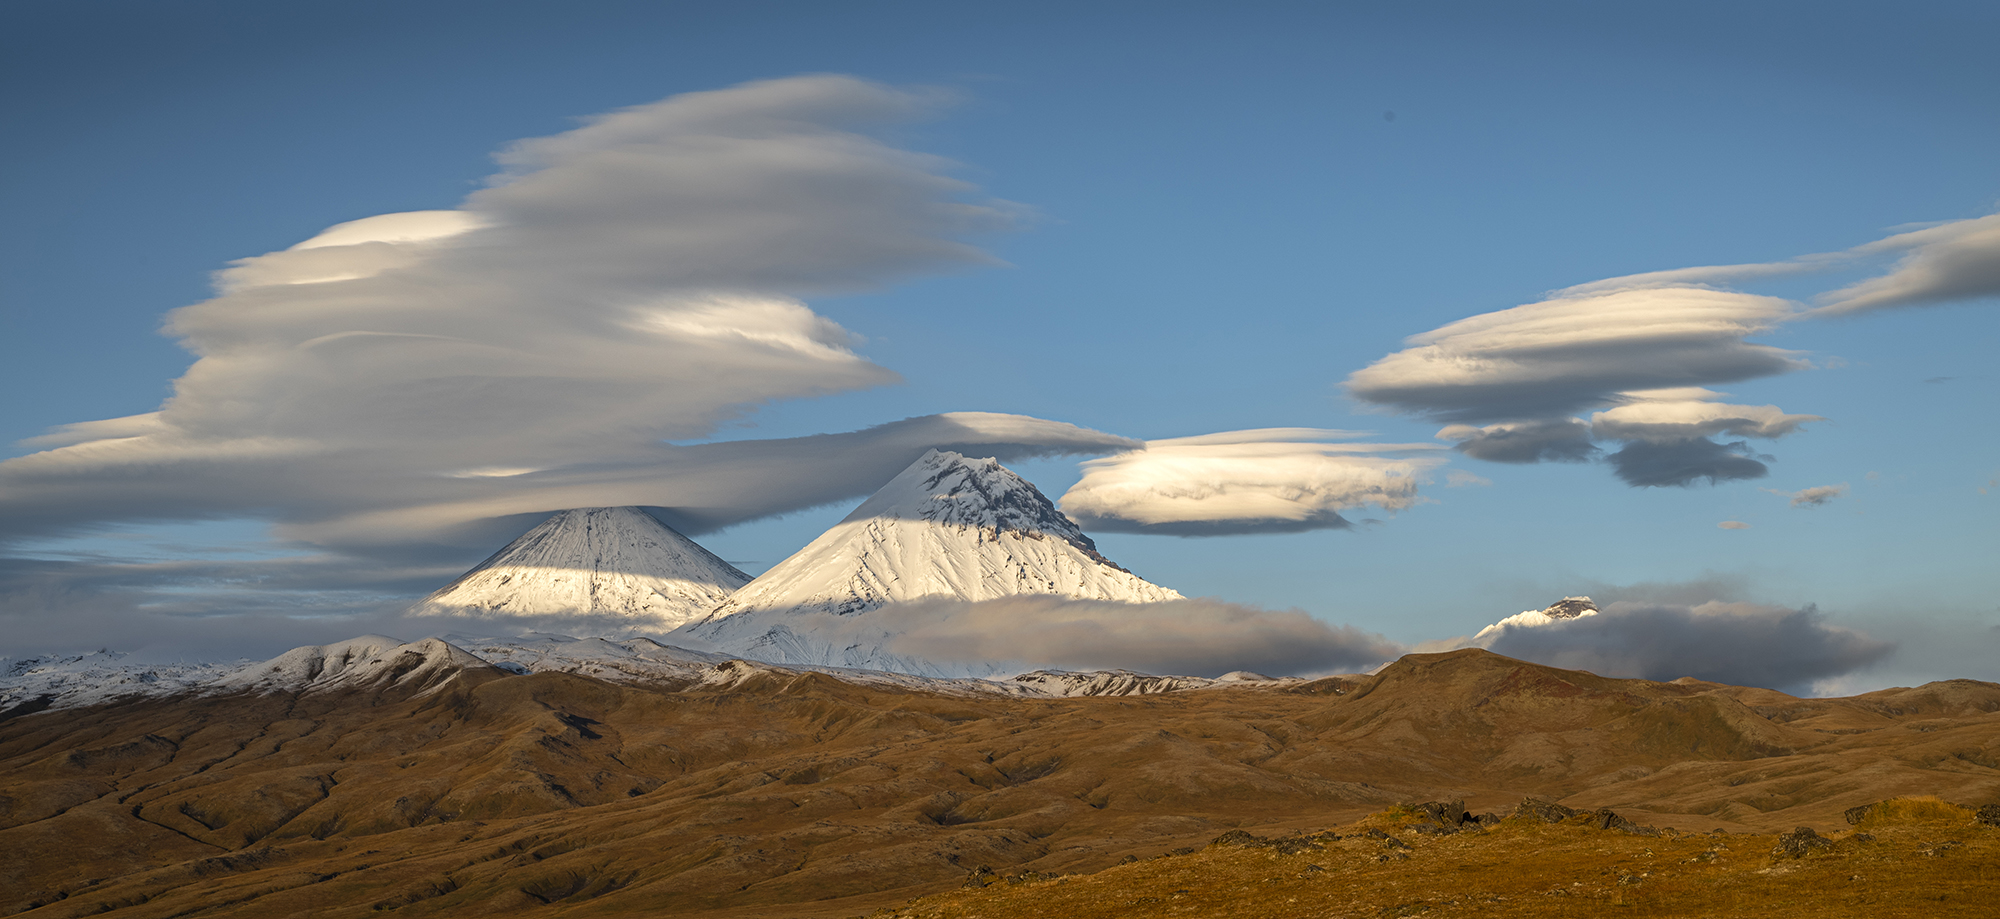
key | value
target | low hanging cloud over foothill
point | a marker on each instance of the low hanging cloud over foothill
(408, 378)
(1196, 637)
(1269, 480)
(1742, 644)
(1639, 353)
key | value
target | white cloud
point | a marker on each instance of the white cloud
(1267, 480)
(1641, 355)
(1814, 496)
(1459, 478)
(1673, 420)
(636, 280)
(406, 227)
(1548, 359)
(1942, 262)
(703, 487)
(1639, 348)
(1959, 260)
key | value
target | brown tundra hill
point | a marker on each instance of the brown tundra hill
(450, 787)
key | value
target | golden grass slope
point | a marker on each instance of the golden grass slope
(793, 794)
(1918, 859)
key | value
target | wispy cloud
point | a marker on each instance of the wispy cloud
(1954, 261)
(1943, 262)
(1814, 496)
(1733, 525)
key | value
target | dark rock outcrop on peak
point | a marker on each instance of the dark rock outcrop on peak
(1569, 608)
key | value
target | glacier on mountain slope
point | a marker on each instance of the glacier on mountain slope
(613, 567)
(946, 527)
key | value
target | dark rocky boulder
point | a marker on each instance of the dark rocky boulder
(1800, 843)
(1545, 811)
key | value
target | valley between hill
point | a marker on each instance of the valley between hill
(471, 791)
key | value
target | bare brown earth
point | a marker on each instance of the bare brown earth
(792, 794)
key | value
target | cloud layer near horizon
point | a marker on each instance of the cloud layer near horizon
(399, 378)
(1742, 644)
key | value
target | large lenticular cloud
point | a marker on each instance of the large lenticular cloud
(1640, 351)
(1268, 480)
(634, 281)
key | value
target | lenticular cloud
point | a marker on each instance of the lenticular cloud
(636, 280)
(1257, 481)
(1511, 381)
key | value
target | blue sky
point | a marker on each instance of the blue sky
(1223, 213)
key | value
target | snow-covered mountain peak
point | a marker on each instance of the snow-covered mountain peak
(947, 527)
(950, 488)
(370, 661)
(1570, 608)
(1563, 610)
(613, 563)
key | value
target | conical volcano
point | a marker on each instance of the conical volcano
(601, 563)
(948, 527)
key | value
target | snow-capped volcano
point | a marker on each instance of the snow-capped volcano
(609, 563)
(947, 527)
(1562, 610)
